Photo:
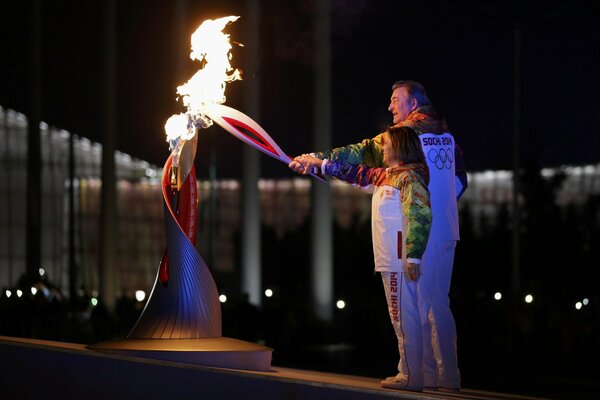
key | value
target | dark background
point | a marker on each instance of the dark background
(465, 58)
(463, 55)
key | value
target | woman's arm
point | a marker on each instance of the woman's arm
(416, 208)
(360, 175)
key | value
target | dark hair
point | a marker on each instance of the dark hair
(407, 145)
(414, 90)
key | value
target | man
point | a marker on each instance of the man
(410, 106)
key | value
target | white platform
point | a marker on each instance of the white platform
(35, 369)
(220, 352)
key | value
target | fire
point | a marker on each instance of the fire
(212, 48)
(178, 126)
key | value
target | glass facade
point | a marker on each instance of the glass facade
(139, 226)
(285, 207)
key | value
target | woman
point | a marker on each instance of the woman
(400, 221)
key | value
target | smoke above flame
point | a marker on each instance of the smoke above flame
(212, 48)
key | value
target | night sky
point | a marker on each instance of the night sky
(463, 55)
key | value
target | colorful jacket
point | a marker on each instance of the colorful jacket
(369, 152)
(407, 222)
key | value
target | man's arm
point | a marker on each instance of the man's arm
(367, 152)
(460, 171)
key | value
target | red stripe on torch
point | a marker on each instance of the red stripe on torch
(262, 142)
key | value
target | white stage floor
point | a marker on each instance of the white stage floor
(31, 368)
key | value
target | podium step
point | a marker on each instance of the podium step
(33, 369)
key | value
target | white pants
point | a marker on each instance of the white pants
(401, 295)
(440, 363)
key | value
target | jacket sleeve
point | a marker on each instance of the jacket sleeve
(367, 152)
(416, 208)
(460, 171)
(360, 175)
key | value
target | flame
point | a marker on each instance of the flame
(212, 48)
(178, 126)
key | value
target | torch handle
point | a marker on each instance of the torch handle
(287, 160)
(249, 131)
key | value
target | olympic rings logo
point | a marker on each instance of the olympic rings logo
(442, 158)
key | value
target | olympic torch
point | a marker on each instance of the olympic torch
(183, 281)
(248, 131)
(183, 310)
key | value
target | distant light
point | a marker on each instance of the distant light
(8, 293)
(489, 175)
(33, 290)
(303, 183)
(586, 301)
(94, 293)
(528, 298)
(222, 298)
(85, 143)
(340, 304)
(124, 157)
(231, 184)
(19, 293)
(266, 184)
(503, 175)
(589, 170)
(94, 301)
(268, 293)
(140, 295)
(151, 173)
(283, 185)
(578, 305)
(41, 271)
(497, 295)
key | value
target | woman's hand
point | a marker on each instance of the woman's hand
(412, 271)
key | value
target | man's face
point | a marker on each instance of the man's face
(401, 104)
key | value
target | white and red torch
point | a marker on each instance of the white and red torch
(184, 285)
(183, 311)
(184, 301)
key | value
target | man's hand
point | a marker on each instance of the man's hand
(412, 271)
(297, 166)
(305, 163)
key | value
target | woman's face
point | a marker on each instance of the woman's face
(390, 157)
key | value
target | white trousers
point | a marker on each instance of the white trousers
(440, 363)
(401, 295)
